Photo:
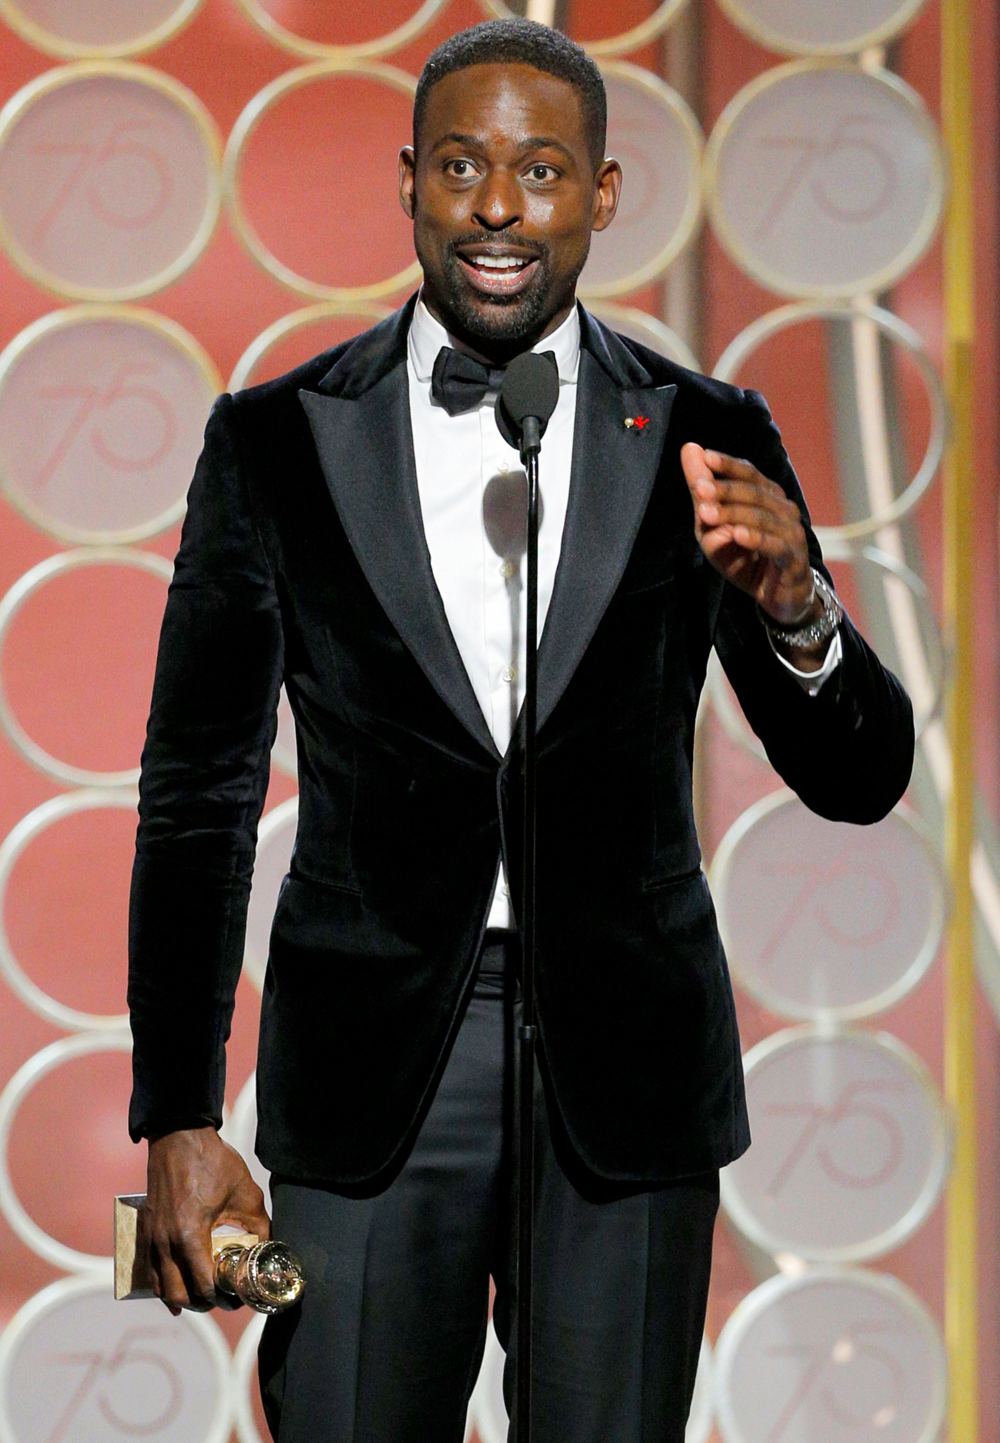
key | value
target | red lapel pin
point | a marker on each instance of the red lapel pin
(636, 421)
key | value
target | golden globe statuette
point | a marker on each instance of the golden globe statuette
(267, 1276)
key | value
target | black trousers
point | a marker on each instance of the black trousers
(386, 1344)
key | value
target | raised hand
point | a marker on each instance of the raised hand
(751, 532)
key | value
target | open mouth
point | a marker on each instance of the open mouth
(498, 273)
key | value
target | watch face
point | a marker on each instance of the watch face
(814, 631)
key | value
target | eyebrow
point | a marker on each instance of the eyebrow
(530, 143)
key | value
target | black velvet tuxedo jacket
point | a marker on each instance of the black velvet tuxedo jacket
(303, 560)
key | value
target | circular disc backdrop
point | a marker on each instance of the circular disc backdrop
(114, 27)
(630, 23)
(321, 143)
(61, 635)
(835, 1355)
(824, 179)
(817, 27)
(275, 840)
(294, 338)
(56, 928)
(653, 132)
(64, 1149)
(648, 330)
(851, 1145)
(77, 1367)
(102, 411)
(109, 179)
(827, 920)
(809, 338)
(250, 1425)
(331, 30)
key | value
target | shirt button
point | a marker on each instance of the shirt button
(509, 673)
(507, 569)
(505, 889)
(503, 468)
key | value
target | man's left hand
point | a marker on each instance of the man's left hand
(750, 531)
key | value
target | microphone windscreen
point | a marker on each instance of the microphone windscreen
(530, 387)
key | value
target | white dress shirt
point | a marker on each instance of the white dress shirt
(472, 493)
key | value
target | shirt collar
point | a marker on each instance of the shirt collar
(427, 336)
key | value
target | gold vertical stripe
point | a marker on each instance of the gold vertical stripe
(957, 124)
(961, 1281)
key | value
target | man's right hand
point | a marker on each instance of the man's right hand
(195, 1182)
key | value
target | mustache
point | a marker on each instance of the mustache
(498, 237)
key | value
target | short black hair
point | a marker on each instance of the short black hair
(521, 42)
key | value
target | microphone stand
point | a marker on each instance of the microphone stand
(527, 1032)
(527, 399)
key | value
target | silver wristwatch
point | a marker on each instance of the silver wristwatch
(812, 632)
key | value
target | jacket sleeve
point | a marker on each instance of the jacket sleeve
(847, 751)
(205, 768)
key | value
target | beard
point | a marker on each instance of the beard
(511, 323)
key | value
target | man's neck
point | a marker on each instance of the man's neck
(501, 353)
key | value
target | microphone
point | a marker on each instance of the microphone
(527, 399)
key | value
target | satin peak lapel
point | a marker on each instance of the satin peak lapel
(365, 449)
(614, 467)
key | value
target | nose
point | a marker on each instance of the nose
(497, 201)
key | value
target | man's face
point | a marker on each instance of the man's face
(503, 195)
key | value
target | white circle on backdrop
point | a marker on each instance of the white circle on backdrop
(275, 840)
(648, 29)
(701, 1416)
(851, 1145)
(824, 179)
(827, 920)
(648, 330)
(835, 1354)
(278, 23)
(102, 412)
(78, 1367)
(114, 27)
(27, 1076)
(19, 594)
(283, 753)
(816, 27)
(654, 133)
(109, 179)
(239, 153)
(245, 1379)
(240, 1131)
(11, 848)
(864, 320)
(308, 322)
(487, 1415)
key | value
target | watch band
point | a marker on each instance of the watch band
(812, 632)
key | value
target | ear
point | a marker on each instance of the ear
(407, 180)
(607, 190)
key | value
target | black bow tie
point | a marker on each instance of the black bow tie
(460, 382)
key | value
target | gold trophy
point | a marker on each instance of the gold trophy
(266, 1276)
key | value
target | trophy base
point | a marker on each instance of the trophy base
(133, 1273)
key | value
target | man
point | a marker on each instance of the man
(350, 531)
